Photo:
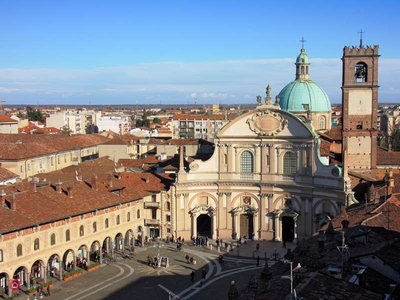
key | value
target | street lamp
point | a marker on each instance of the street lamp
(158, 245)
(288, 259)
(275, 255)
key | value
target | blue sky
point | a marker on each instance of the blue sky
(152, 52)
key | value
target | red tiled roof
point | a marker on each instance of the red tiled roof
(6, 174)
(335, 133)
(22, 146)
(388, 157)
(46, 204)
(7, 119)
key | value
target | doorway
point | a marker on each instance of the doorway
(246, 226)
(204, 226)
(287, 229)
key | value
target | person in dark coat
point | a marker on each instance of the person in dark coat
(192, 276)
(203, 274)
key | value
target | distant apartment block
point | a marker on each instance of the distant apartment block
(199, 126)
(74, 121)
(117, 124)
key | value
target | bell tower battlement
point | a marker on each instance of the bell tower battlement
(361, 51)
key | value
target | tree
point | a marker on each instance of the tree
(157, 121)
(34, 114)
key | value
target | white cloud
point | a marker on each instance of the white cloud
(210, 81)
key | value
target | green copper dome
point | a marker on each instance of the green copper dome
(299, 92)
(303, 90)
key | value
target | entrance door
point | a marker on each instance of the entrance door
(287, 229)
(246, 225)
(204, 225)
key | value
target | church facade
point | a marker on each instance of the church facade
(266, 178)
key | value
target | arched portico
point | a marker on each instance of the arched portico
(68, 262)
(4, 282)
(129, 240)
(82, 257)
(95, 253)
(245, 221)
(206, 223)
(119, 243)
(21, 274)
(54, 268)
(107, 249)
(37, 274)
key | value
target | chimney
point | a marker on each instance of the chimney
(2, 197)
(33, 184)
(94, 182)
(13, 203)
(69, 191)
(58, 185)
(391, 178)
(147, 178)
(109, 181)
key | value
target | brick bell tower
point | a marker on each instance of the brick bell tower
(359, 107)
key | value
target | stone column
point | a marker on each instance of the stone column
(194, 225)
(270, 208)
(262, 223)
(214, 223)
(220, 211)
(60, 271)
(44, 274)
(228, 209)
(28, 282)
(230, 162)
(277, 229)
(257, 159)
(256, 227)
(235, 223)
(295, 240)
(185, 209)
(273, 159)
(263, 159)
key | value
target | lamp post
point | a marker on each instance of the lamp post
(158, 245)
(275, 255)
(291, 274)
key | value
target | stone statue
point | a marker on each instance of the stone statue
(259, 99)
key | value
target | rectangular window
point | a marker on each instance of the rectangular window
(65, 158)
(1, 255)
(20, 169)
(154, 214)
(168, 217)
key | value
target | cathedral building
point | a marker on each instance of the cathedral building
(266, 178)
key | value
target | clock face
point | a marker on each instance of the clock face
(335, 172)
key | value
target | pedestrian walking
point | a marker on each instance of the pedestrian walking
(187, 258)
(258, 261)
(284, 244)
(257, 246)
(48, 290)
(192, 276)
(203, 274)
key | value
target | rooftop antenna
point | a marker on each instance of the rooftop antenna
(361, 33)
(195, 100)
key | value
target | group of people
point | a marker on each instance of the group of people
(200, 241)
(190, 260)
(152, 261)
